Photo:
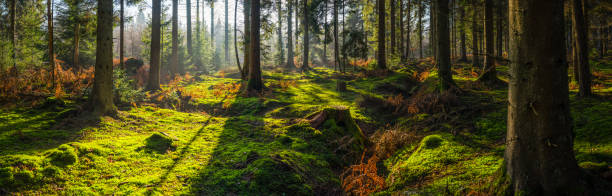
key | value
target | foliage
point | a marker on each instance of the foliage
(363, 179)
(125, 90)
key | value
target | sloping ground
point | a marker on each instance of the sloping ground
(211, 140)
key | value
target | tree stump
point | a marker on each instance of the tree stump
(342, 117)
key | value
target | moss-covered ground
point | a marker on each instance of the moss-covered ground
(221, 142)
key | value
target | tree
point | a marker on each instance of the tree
(442, 45)
(475, 58)
(175, 46)
(247, 34)
(255, 83)
(280, 33)
(581, 48)
(499, 24)
(463, 57)
(242, 75)
(408, 31)
(306, 36)
(13, 33)
(290, 63)
(189, 44)
(102, 93)
(401, 35)
(420, 27)
(49, 37)
(336, 48)
(393, 5)
(154, 70)
(381, 56)
(489, 74)
(226, 36)
(121, 33)
(539, 121)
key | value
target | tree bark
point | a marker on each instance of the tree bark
(281, 53)
(102, 93)
(255, 83)
(401, 35)
(539, 157)
(408, 32)
(500, 28)
(121, 34)
(432, 29)
(420, 27)
(381, 57)
(475, 58)
(306, 36)
(489, 74)
(290, 63)
(581, 49)
(13, 34)
(212, 25)
(392, 4)
(189, 43)
(76, 40)
(247, 36)
(442, 45)
(174, 57)
(226, 36)
(242, 76)
(154, 70)
(462, 33)
(336, 49)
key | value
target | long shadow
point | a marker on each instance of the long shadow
(30, 130)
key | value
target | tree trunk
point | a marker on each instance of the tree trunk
(212, 25)
(226, 37)
(255, 83)
(539, 157)
(581, 49)
(442, 45)
(475, 58)
(247, 36)
(392, 21)
(408, 31)
(325, 37)
(174, 58)
(420, 27)
(49, 38)
(102, 93)
(281, 53)
(462, 33)
(432, 29)
(188, 18)
(489, 73)
(121, 34)
(13, 33)
(306, 38)
(154, 69)
(499, 23)
(336, 49)
(381, 57)
(290, 63)
(242, 76)
(76, 40)
(401, 35)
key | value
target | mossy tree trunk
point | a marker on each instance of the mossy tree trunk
(381, 57)
(581, 48)
(255, 82)
(442, 45)
(102, 93)
(154, 70)
(539, 156)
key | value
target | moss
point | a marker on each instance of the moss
(594, 167)
(431, 142)
(65, 155)
(6, 176)
(24, 177)
(51, 171)
(158, 143)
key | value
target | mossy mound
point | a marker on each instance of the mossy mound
(336, 122)
(51, 171)
(6, 177)
(159, 143)
(64, 156)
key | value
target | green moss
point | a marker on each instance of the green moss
(51, 171)
(6, 176)
(431, 142)
(594, 167)
(65, 155)
(159, 143)
(24, 177)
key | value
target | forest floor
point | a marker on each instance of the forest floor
(210, 139)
